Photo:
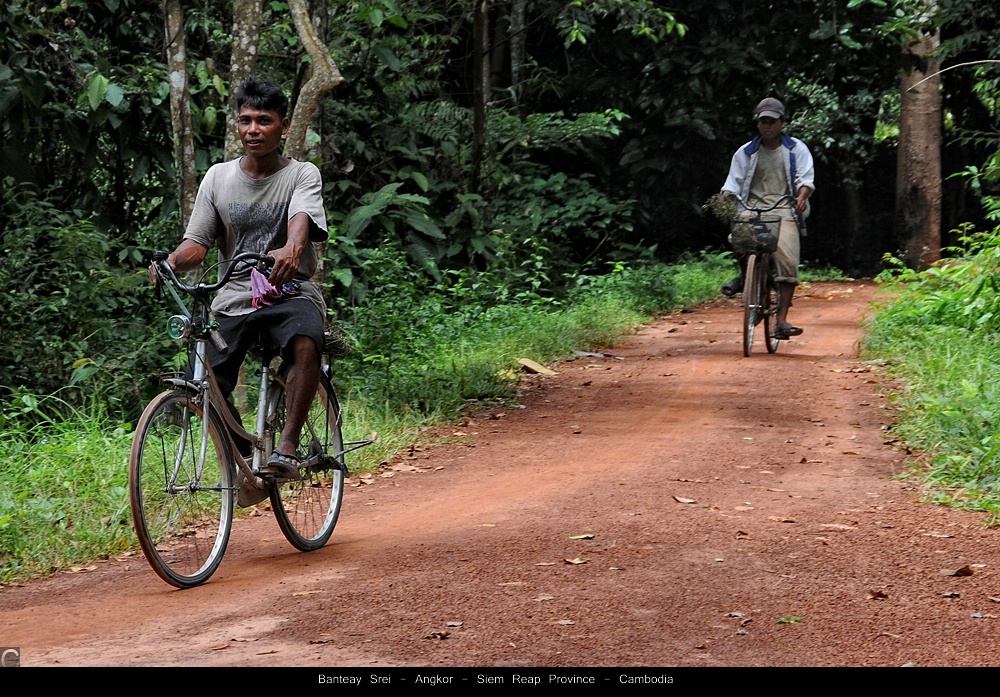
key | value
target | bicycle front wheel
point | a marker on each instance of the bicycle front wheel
(307, 509)
(751, 302)
(182, 503)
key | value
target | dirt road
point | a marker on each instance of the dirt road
(674, 505)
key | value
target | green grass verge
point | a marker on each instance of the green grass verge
(936, 332)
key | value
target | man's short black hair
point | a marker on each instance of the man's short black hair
(263, 95)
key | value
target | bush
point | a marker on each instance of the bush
(937, 333)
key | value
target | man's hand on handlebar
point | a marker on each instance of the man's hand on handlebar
(286, 263)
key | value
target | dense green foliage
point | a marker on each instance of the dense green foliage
(622, 120)
(937, 333)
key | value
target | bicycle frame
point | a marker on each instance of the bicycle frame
(203, 384)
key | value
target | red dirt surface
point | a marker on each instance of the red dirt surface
(673, 505)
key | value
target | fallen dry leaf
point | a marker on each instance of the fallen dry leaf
(533, 367)
(964, 571)
(681, 499)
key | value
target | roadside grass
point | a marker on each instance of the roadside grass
(820, 273)
(936, 332)
(65, 496)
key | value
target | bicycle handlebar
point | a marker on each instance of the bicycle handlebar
(203, 290)
(783, 199)
(163, 269)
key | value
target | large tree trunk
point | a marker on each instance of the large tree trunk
(180, 107)
(323, 76)
(918, 179)
(243, 63)
(518, 52)
(481, 88)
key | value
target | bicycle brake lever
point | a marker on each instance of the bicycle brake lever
(265, 265)
(154, 274)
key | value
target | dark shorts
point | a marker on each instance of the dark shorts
(271, 327)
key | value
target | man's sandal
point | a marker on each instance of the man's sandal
(281, 466)
(787, 331)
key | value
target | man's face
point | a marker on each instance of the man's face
(261, 131)
(770, 127)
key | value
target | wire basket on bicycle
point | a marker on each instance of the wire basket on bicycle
(755, 235)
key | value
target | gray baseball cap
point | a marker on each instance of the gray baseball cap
(770, 107)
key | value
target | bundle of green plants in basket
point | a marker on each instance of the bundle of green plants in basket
(758, 234)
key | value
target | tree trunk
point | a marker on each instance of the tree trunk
(180, 107)
(518, 52)
(323, 77)
(481, 88)
(243, 63)
(918, 180)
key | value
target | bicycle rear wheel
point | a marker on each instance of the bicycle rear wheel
(307, 509)
(182, 515)
(751, 302)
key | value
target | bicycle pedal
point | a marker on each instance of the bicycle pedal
(277, 477)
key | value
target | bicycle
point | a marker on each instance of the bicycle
(756, 237)
(186, 471)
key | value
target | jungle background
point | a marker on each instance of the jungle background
(506, 148)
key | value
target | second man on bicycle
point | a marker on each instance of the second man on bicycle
(770, 166)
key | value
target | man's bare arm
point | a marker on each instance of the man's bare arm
(286, 259)
(186, 257)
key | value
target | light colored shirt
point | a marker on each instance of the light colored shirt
(240, 214)
(744, 166)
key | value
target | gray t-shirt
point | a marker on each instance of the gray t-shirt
(241, 214)
(770, 182)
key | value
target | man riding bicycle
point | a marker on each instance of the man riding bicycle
(770, 166)
(269, 204)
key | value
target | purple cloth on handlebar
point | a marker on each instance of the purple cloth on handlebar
(265, 294)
